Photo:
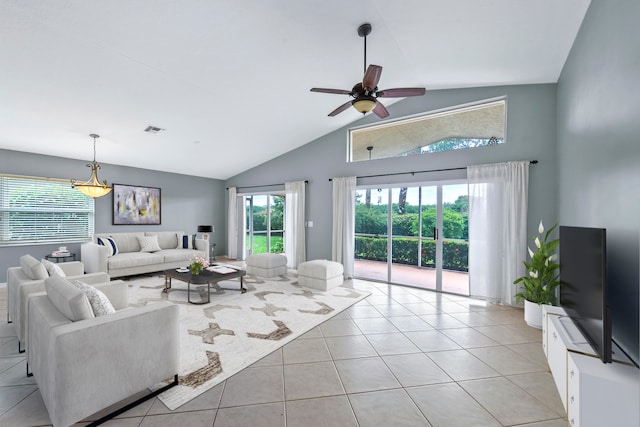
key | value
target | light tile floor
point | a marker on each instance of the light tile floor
(401, 357)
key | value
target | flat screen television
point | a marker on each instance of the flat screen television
(583, 285)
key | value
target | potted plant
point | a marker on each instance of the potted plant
(538, 286)
(197, 264)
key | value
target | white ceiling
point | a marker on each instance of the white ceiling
(229, 80)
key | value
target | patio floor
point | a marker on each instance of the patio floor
(456, 282)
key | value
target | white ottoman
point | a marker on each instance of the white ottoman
(320, 274)
(267, 265)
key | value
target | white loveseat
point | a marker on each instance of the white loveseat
(83, 363)
(130, 260)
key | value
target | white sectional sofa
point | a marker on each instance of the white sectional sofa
(133, 258)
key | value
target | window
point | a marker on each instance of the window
(42, 210)
(457, 128)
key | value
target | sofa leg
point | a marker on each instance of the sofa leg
(29, 374)
(8, 319)
(136, 403)
(20, 349)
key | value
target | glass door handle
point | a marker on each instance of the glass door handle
(435, 233)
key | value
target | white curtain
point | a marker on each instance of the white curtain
(498, 199)
(294, 223)
(232, 224)
(344, 212)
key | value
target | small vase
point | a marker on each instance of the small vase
(195, 270)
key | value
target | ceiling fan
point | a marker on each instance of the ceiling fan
(365, 94)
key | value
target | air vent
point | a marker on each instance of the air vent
(153, 129)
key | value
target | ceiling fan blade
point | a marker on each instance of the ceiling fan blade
(380, 110)
(401, 92)
(336, 91)
(340, 109)
(371, 77)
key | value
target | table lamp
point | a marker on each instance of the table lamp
(205, 230)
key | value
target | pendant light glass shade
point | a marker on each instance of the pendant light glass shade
(364, 104)
(93, 187)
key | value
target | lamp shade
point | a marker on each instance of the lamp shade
(364, 104)
(93, 187)
(205, 228)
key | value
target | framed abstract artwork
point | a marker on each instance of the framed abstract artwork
(135, 205)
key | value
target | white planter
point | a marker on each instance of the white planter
(533, 314)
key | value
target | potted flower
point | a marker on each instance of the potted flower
(538, 286)
(197, 264)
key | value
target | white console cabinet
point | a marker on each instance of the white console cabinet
(557, 357)
(601, 394)
(593, 393)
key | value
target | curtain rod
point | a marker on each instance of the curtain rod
(533, 162)
(306, 181)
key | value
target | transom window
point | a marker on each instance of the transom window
(43, 210)
(470, 126)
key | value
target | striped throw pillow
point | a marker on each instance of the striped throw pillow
(110, 244)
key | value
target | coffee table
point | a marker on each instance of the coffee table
(205, 277)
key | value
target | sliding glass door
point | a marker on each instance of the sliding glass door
(371, 245)
(415, 236)
(264, 224)
(453, 238)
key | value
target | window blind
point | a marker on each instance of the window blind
(43, 210)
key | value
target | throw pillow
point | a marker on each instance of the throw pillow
(68, 299)
(186, 241)
(110, 244)
(32, 268)
(99, 302)
(149, 243)
(52, 268)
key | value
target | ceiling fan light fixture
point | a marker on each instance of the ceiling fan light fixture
(364, 104)
(366, 93)
(92, 187)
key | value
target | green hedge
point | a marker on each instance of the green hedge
(405, 251)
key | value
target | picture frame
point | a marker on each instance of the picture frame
(136, 205)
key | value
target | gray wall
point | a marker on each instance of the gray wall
(186, 201)
(531, 130)
(599, 148)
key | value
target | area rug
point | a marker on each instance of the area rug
(234, 330)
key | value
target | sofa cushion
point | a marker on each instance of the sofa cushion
(166, 239)
(99, 302)
(32, 268)
(52, 268)
(179, 255)
(110, 243)
(134, 259)
(68, 299)
(149, 244)
(186, 241)
(126, 242)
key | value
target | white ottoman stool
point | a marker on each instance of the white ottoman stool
(320, 274)
(267, 265)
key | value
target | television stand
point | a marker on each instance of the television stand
(593, 393)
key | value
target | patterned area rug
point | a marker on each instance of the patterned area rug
(235, 330)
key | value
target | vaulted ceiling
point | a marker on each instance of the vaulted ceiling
(228, 81)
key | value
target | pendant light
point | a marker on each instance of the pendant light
(93, 187)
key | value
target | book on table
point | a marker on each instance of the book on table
(222, 269)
